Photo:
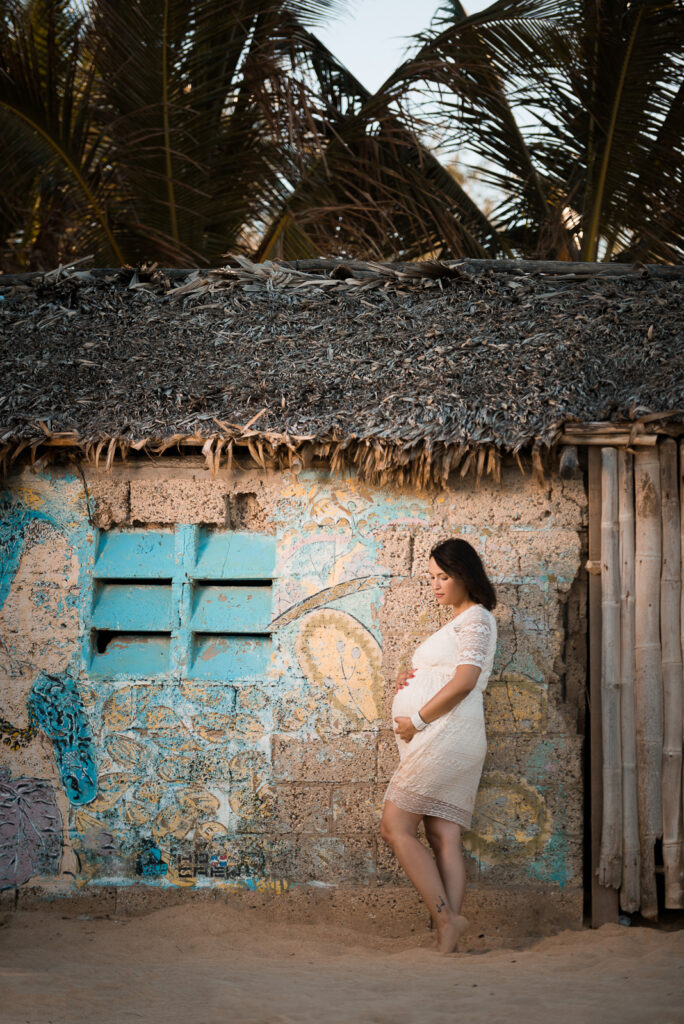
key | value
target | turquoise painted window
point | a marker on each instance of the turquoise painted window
(185, 602)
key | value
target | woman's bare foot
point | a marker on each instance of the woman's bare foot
(449, 934)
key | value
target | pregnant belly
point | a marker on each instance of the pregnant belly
(423, 685)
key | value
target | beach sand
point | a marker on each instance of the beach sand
(204, 964)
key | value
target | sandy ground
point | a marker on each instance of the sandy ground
(204, 964)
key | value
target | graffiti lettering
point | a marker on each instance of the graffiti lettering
(201, 862)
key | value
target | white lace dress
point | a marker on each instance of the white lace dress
(440, 766)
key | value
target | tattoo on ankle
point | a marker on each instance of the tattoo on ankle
(439, 906)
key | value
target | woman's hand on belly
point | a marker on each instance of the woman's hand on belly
(405, 729)
(402, 680)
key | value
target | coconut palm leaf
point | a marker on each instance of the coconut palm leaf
(179, 131)
(471, 67)
(195, 131)
(46, 116)
(147, 122)
(566, 101)
(369, 186)
(656, 196)
(625, 75)
(166, 71)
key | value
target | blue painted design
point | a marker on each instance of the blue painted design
(542, 760)
(55, 705)
(14, 518)
(149, 861)
(552, 864)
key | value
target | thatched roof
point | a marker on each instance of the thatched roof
(414, 369)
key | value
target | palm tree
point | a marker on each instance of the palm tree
(182, 131)
(368, 186)
(144, 130)
(576, 108)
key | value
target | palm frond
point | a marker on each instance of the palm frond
(643, 44)
(46, 109)
(472, 70)
(596, 83)
(178, 130)
(157, 112)
(366, 183)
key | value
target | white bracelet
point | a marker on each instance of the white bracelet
(418, 722)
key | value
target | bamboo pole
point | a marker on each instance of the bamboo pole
(610, 858)
(670, 640)
(648, 674)
(629, 889)
(604, 901)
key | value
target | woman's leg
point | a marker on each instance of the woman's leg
(445, 839)
(398, 828)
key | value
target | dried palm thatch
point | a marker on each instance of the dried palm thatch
(405, 372)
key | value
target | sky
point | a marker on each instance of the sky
(371, 39)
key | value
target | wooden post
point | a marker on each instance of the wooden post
(671, 653)
(629, 889)
(604, 901)
(610, 858)
(648, 686)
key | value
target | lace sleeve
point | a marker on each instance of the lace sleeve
(473, 640)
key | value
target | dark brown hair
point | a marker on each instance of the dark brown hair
(459, 559)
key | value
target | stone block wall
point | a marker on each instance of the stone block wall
(277, 780)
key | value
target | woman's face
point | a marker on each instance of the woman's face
(447, 589)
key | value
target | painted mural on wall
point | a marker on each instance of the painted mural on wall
(43, 722)
(30, 829)
(186, 705)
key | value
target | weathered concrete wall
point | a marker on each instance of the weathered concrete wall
(273, 780)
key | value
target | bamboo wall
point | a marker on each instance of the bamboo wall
(641, 692)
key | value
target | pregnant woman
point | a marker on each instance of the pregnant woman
(440, 732)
